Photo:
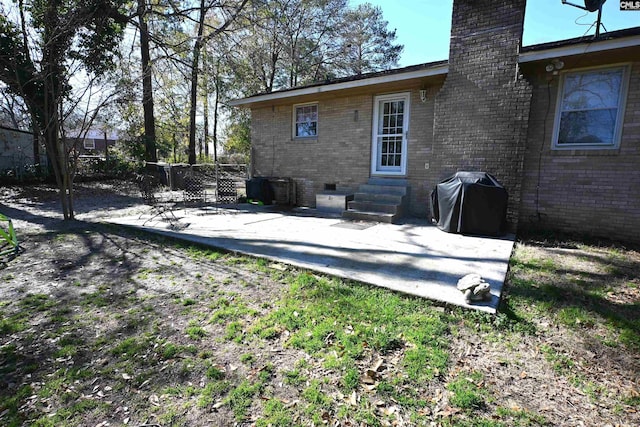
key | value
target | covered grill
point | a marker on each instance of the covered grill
(470, 203)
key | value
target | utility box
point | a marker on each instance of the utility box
(333, 201)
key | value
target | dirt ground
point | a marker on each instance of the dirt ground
(113, 281)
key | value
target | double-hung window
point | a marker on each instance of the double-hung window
(591, 108)
(89, 144)
(305, 119)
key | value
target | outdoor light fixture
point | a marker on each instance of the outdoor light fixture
(423, 95)
(555, 66)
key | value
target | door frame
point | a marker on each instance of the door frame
(406, 97)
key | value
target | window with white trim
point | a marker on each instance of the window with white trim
(305, 119)
(590, 108)
(89, 144)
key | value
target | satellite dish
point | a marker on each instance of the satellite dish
(593, 5)
(590, 5)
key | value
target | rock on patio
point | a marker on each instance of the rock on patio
(414, 257)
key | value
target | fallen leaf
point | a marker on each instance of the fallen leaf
(154, 400)
(390, 410)
(378, 364)
(353, 399)
(448, 411)
(368, 378)
(291, 404)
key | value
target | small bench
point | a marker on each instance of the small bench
(333, 201)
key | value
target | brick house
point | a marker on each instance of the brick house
(94, 143)
(558, 124)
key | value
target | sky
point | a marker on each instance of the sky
(423, 26)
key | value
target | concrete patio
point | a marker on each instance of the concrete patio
(414, 257)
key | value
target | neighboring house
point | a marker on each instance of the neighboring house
(558, 124)
(16, 151)
(95, 143)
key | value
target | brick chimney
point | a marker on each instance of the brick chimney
(482, 110)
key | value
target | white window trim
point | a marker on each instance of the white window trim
(374, 144)
(89, 144)
(293, 122)
(622, 102)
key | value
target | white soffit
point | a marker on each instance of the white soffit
(580, 49)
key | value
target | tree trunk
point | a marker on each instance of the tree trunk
(206, 121)
(52, 88)
(205, 101)
(36, 145)
(194, 86)
(147, 87)
(215, 118)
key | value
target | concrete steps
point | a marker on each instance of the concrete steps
(380, 200)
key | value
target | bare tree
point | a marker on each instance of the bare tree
(57, 31)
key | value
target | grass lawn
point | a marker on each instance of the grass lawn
(102, 326)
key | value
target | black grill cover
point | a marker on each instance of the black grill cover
(470, 203)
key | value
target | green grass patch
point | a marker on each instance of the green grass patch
(248, 358)
(188, 301)
(130, 347)
(170, 350)
(234, 331)
(211, 392)
(294, 377)
(12, 324)
(37, 302)
(328, 317)
(315, 396)
(275, 415)
(466, 392)
(350, 379)
(9, 406)
(573, 290)
(202, 254)
(520, 418)
(215, 373)
(241, 397)
(195, 331)
(229, 308)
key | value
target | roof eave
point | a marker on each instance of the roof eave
(437, 70)
(529, 54)
(589, 46)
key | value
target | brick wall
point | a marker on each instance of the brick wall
(339, 155)
(482, 111)
(595, 192)
(420, 151)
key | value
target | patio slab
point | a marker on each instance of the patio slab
(413, 257)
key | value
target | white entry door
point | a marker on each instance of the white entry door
(390, 127)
